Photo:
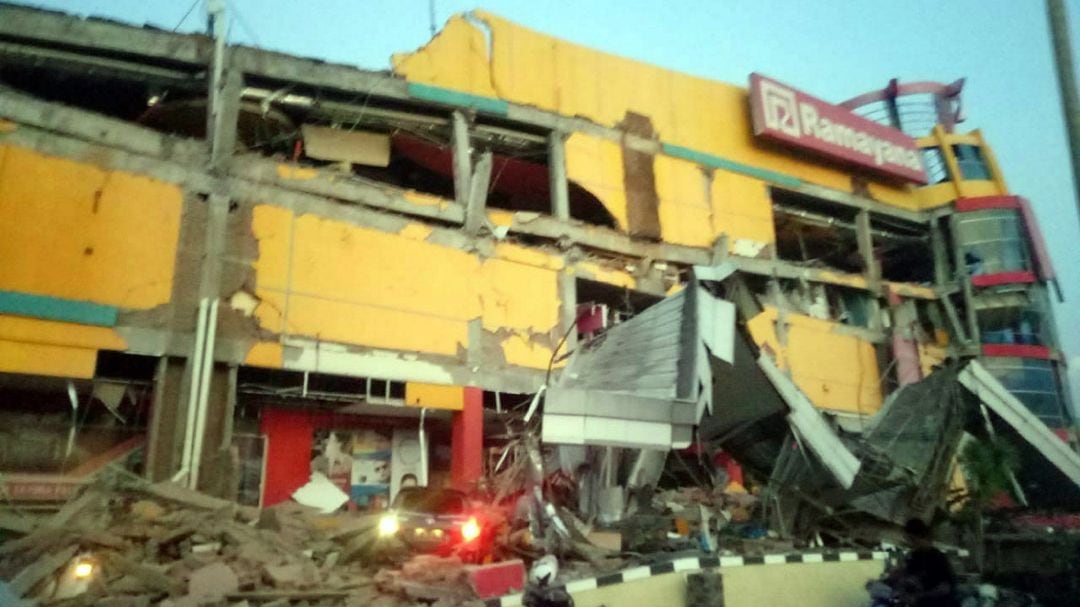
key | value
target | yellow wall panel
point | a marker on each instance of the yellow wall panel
(519, 297)
(434, 396)
(266, 354)
(602, 273)
(272, 227)
(82, 233)
(53, 333)
(520, 351)
(836, 371)
(457, 58)
(348, 284)
(596, 164)
(339, 261)
(40, 359)
(683, 190)
(529, 256)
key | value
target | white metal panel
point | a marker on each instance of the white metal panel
(997, 397)
(811, 427)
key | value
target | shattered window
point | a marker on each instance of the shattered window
(992, 241)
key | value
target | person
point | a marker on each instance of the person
(925, 578)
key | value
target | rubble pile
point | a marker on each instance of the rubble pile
(133, 544)
(428, 578)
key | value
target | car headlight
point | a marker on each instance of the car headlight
(388, 525)
(470, 530)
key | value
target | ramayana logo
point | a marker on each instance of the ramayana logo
(785, 113)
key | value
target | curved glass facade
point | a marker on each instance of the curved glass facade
(1035, 383)
(993, 241)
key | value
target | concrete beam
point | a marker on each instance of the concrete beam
(284, 68)
(67, 30)
(79, 62)
(96, 128)
(856, 202)
(354, 190)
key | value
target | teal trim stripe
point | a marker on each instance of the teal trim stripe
(55, 308)
(716, 162)
(437, 94)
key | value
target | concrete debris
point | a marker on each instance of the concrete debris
(126, 542)
(134, 543)
(320, 492)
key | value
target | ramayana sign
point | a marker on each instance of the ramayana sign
(791, 117)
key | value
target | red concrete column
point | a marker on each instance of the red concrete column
(467, 441)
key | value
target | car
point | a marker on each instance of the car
(436, 521)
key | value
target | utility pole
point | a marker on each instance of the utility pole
(1066, 76)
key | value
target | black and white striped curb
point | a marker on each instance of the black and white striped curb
(698, 563)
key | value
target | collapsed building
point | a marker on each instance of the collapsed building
(234, 267)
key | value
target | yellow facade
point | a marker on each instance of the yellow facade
(837, 371)
(489, 56)
(82, 236)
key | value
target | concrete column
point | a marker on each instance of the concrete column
(560, 188)
(865, 237)
(163, 441)
(467, 441)
(217, 470)
(462, 150)
(941, 255)
(476, 208)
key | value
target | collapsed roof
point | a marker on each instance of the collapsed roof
(682, 365)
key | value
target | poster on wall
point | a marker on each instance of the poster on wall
(332, 455)
(370, 478)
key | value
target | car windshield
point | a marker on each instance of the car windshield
(434, 501)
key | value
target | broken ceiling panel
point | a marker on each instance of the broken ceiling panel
(338, 145)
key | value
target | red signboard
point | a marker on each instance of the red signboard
(791, 117)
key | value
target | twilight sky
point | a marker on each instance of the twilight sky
(833, 50)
